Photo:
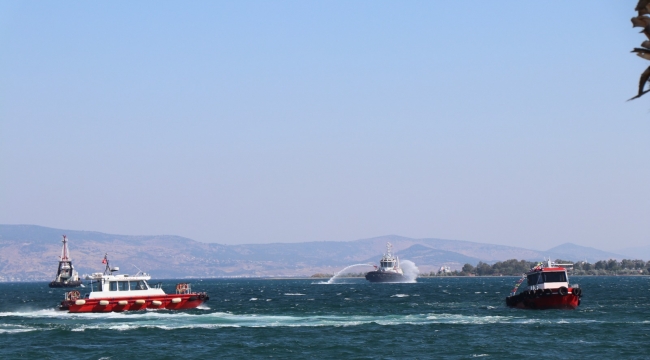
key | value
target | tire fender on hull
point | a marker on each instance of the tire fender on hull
(171, 302)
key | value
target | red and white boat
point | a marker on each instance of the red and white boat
(109, 292)
(548, 288)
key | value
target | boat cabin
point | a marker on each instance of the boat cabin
(551, 276)
(547, 278)
(65, 270)
(121, 286)
(387, 263)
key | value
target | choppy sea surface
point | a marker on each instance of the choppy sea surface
(445, 318)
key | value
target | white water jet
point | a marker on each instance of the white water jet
(331, 280)
(411, 271)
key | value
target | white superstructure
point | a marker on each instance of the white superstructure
(121, 286)
(389, 262)
(115, 286)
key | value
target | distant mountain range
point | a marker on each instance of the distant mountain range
(30, 252)
(639, 252)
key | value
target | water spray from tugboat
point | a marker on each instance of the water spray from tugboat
(389, 269)
(411, 271)
(331, 280)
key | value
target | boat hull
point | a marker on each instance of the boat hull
(528, 300)
(384, 277)
(65, 284)
(168, 302)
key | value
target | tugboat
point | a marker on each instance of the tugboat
(129, 292)
(66, 276)
(548, 288)
(388, 270)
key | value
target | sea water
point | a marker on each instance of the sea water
(446, 318)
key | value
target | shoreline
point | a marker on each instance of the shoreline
(327, 278)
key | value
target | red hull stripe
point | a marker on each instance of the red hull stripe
(187, 301)
(554, 301)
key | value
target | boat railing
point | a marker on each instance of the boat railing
(72, 295)
(157, 286)
(183, 288)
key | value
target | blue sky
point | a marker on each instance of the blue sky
(290, 121)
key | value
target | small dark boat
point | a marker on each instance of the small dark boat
(548, 288)
(66, 276)
(388, 270)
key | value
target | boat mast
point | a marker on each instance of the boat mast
(64, 251)
(389, 250)
(109, 270)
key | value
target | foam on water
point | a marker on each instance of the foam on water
(13, 329)
(181, 320)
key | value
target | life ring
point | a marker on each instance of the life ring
(563, 291)
(181, 287)
(74, 294)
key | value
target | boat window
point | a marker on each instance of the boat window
(113, 286)
(99, 285)
(533, 278)
(557, 276)
(123, 285)
(138, 285)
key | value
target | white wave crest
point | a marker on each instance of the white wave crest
(13, 329)
(50, 319)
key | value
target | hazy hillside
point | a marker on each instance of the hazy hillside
(642, 252)
(29, 252)
(569, 251)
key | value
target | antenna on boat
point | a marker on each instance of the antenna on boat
(64, 251)
(108, 270)
(139, 271)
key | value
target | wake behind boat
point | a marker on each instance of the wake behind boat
(109, 292)
(388, 270)
(66, 275)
